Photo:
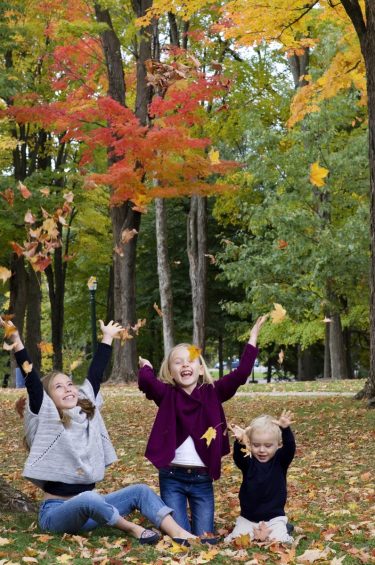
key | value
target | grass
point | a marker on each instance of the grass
(330, 483)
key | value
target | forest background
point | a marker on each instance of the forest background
(202, 161)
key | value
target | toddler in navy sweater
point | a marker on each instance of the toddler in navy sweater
(263, 451)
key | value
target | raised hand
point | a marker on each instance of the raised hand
(254, 332)
(11, 334)
(110, 331)
(237, 432)
(142, 362)
(285, 420)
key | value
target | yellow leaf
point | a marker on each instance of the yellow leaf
(64, 558)
(5, 541)
(278, 314)
(214, 157)
(281, 356)
(318, 174)
(27, 367)
(157, 309)
(5, 274)
(209, 435)
(45, 348)
(242, 541)
(194, 352)
(75, 364)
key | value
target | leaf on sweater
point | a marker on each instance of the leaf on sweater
(209, 435)
(27, 367)
(278, 314)
(194, 352)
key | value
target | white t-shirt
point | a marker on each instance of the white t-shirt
(186, 454)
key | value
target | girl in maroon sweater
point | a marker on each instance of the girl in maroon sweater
(190, 404)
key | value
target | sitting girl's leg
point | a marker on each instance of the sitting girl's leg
(73, 515)
(278, 529)
(242, 527)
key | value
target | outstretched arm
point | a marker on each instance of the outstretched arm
(102, 355)
(289, 445)
(148, 382)
(33, 384)
(227, 386)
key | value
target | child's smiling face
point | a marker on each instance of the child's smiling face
(184, 371)
(63, 392)
(263, 445)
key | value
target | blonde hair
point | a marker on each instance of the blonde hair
(165, 372)
(86, 405)
(265, 423)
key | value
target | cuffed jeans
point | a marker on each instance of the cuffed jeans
(89, 509)
(180, 486)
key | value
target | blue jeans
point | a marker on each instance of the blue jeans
(178, 487)
(89, 509)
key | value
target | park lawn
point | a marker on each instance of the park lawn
(331, 487)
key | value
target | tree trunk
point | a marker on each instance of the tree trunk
(197, 251)
(365, 28)
(33, 318)
(164, 273)
(327, 356)
(305, 371)
(13, 500)
(339, 368)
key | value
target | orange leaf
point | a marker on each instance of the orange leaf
(194, 352)
(140, 323)
(45, 348)
(8, 196)
(25, 192)
(157, 309)
(209, 435)
(282, 244)
(127, 235)
(29, 218)
(5, 274)
(45, 191)
(9, 329)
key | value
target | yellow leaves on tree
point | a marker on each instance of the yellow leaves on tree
(209, 435)
(318, 174)
(278, 313)
(194, 352)
(5, 274)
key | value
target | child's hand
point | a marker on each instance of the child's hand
(237, 432)
(12, 334)
(110, 331)
(142, 362)
(256, 329)
(285, 419)
(261, 532)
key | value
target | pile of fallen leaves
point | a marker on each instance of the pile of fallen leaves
(330, 486)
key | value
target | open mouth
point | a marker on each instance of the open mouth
(185, 374)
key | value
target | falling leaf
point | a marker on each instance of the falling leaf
(124, 335)
(278, 314)
(50, 226)
(25, 192)
(214, 157)
(326, 320)
(140, 209)
(209, 435)
(62, 221)
(27, 367)
(140, 323)
(8, 196)
(194, 352)
(29, 218)
(35, 233)
(44, 191)
(281, 357)
(9, 329)
(40, 262)
(318, 174)
(127, 235)
(212, 258)
(45, 348)
(157, 309)
(69, 196)
(75, 364)
(118, 250)
(5, 274)
(45, 214)
(17, 248)
(282, 244)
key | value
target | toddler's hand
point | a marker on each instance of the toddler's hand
(237, 432)
(142, 362)
(285, 420)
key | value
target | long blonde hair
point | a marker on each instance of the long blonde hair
(84, 403)
(165, 372)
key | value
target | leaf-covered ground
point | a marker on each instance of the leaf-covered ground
(331, 488)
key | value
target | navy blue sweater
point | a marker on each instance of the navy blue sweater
(263, 490)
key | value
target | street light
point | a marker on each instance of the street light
(93, 285)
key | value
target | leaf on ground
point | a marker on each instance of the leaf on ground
(5, 541)
(209, 435)
(313, 555)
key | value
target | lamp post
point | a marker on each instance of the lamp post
(93, 285)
